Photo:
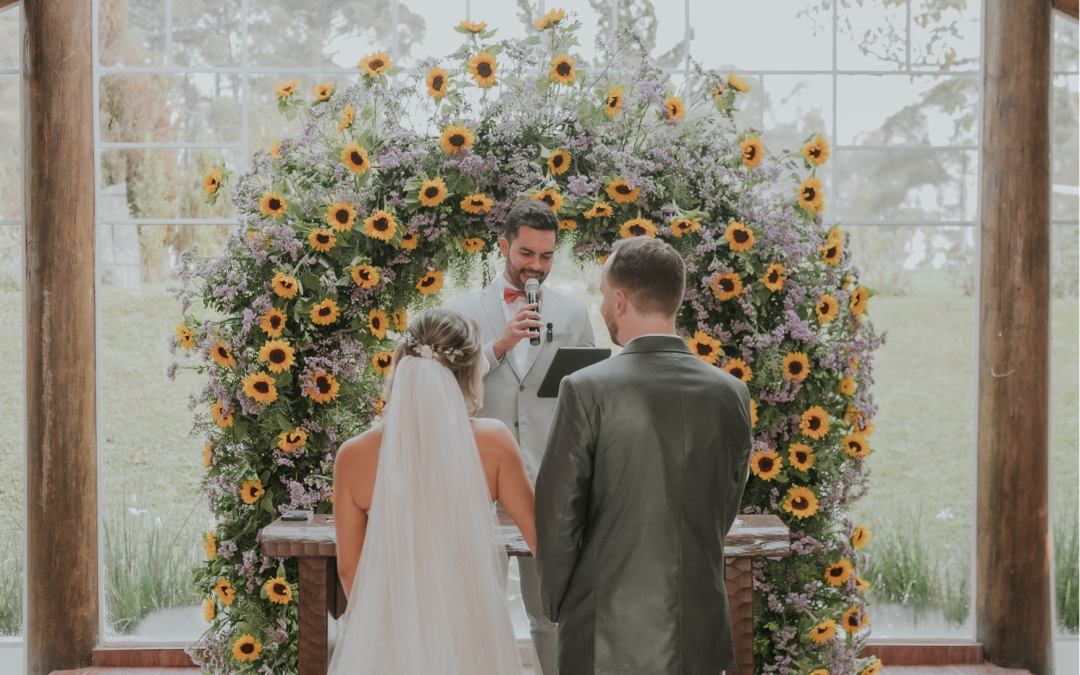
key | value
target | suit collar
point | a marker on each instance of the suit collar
(656, 343)
(492, 300)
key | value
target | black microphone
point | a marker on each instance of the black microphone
(532, 297)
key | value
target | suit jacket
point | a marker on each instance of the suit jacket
(644, 472)
(509, 395)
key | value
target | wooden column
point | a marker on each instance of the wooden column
(61, 446)
(1013, 602)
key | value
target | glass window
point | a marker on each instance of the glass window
(131, 32)
(730, 33)
(9, 37)
(207, 33)
(316, 33)
(1066, 176)
(945, 36)
(907, 185)
(192, 108)
(155, 183)
(870, 36)
(11, 173)
(905, 110)
(13, 452)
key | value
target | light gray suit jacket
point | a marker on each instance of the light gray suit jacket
(644, 472)
(510, 396)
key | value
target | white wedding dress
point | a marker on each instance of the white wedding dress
(428, 597)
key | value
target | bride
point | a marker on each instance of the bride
(415, 519)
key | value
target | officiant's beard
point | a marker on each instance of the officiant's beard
(518, 275)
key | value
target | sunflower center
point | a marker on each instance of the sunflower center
(457, 140)
(613, 102)
(253, 492)
(726, 285)
(262, 386)
(427, 282)
(831, 253)
(704, 349)
(774, 276)
(740, 236)
(432, 192)
(363, 274)
(836, 571)
(483, 69)
(800, 457)
(324, 311)
(548, 199)
(814, 424)
(765, 464)
(286, 285)
(750, 152)
(342, 216)
(222, 353)
(855, 446)
(637, 230)
(383, 362)
(800, 503)
(277, 356)
(795, 367)
(407, 236)
(275, 322)
(376, 64)
(815, 153)
(557, 161)
(623, 189)
(674, 109)
(280, 588)
(563, 68)
(476, 204)
(322, 383)
(437, 82)
(808, 194)
(737, 372)
(375, 323)
(322, 238)
(356, 158)
(381, 224)
(247, 648)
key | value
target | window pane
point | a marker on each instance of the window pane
(13, 452)
(1066, 44)
(945, 36)
(131, 32)
(207, 32)
(513, 18)
(922, 520)
(316, 33)
(871, 36)
(265, 123)
(907, 184)
(664, 31)
(194, 108)
(10, 149)
(9, 37)
(796, 106)
(903, 110)
(154, 183)
(729, 33)
(595, 21)
(426, 29)
(1066, 123)
(748, 113)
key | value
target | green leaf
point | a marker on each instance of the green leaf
(531, 40)
(309, 280)
(267, 503)
(488, 34)
(283, 379)
(283, 422)
(394, 70)
(367, 112)
(240, 429)
(462, 30)
(494, 49)
(263, 593)
(281, 570)
(290, 113)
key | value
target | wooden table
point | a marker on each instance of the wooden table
(320, 594)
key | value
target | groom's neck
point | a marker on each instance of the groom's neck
(646, 325)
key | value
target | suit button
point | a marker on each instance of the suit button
(516, 424)
(521, 388)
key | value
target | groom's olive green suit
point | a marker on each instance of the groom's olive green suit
(641, 481)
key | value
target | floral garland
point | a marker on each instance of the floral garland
(361, 217)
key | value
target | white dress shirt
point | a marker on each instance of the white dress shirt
(520, 352)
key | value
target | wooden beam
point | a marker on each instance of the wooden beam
(1013, 604)
(61, 436)
(1069, 8)
(6, 3)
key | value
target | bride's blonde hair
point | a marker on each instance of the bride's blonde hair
(454, 341)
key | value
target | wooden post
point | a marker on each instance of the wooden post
(1013, 607)
(61, 443)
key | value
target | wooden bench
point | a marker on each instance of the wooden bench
(314, 543)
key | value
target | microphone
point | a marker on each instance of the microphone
(532, 297)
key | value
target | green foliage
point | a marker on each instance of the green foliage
(1067, 571)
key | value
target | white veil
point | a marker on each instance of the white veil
(428, 597)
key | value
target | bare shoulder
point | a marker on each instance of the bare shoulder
(361, 449)
(492, 435)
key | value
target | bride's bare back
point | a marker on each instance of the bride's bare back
(354, 483)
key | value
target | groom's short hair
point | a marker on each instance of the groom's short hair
(650, 272)
(530, 213)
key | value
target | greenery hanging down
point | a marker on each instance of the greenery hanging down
(355, 222)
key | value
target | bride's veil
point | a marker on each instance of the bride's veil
(428, 596)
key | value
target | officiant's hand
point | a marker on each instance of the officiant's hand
(519, 328)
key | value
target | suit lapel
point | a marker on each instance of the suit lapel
(549, 309)
(491, 298)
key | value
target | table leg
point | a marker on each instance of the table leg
(739, 577)
(314, 657)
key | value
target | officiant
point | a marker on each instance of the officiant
(518, 362)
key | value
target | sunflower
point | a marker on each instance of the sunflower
(855, 619)
(472, 244)
(284, 286)
(753, 413)
(260, 387)
(355, 158)
(817, 150)
(286, 89)
(752, 151)
(324, 313)
(473, 27)
(278, 354)
(852, 414)
(796, 366)
(856, 445)
(599, 210)
(774, 277)
(839, 573)
(875, 667)
(275, 149)
(674, 108)
(340, 216)
(727, 286)
(251, 491)
(555, 15)
(739, 237)
(247, 648)
(436, 83)
(272, 204)
(400, 317)
(379, 405)
(861, 584)
(278, 590)
(321, 387)
(621, 192)
(222, 420)
(738, 83)
(684, 226)
(482, 68)
(377, 323)
(347, 114)
(383, 362)
(765, 464)
(432, 192)
(832, 250)
(408, 240)
(637, 227)
(815, 423)
(705, 347)
(551, 197)
(273, 322)
(209, 609)
(224, 590)
(823, 632)
(826, 309)
(540, 23)
(476, 204)
(211, 181)
(810, 197)
(380, 225)
(801, 456)
(569, 225)
(820, 671)
(859, 300)
(222, 355)
(206, 459)
(801, 502)
(601, 260)
(365, 276)
(322, 240)
(376, 63)
(323, 90)
(456, 139)
(738, 368)
(210, 546)
(430, 283)
(562, 69)
(614, 101)
(847, 385)
(861, 536)
(185, 336)
(291, 441)
(559, 162)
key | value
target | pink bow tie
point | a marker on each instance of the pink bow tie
(512, 294)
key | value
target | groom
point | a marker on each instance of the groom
(642, 479)
(517, 368)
